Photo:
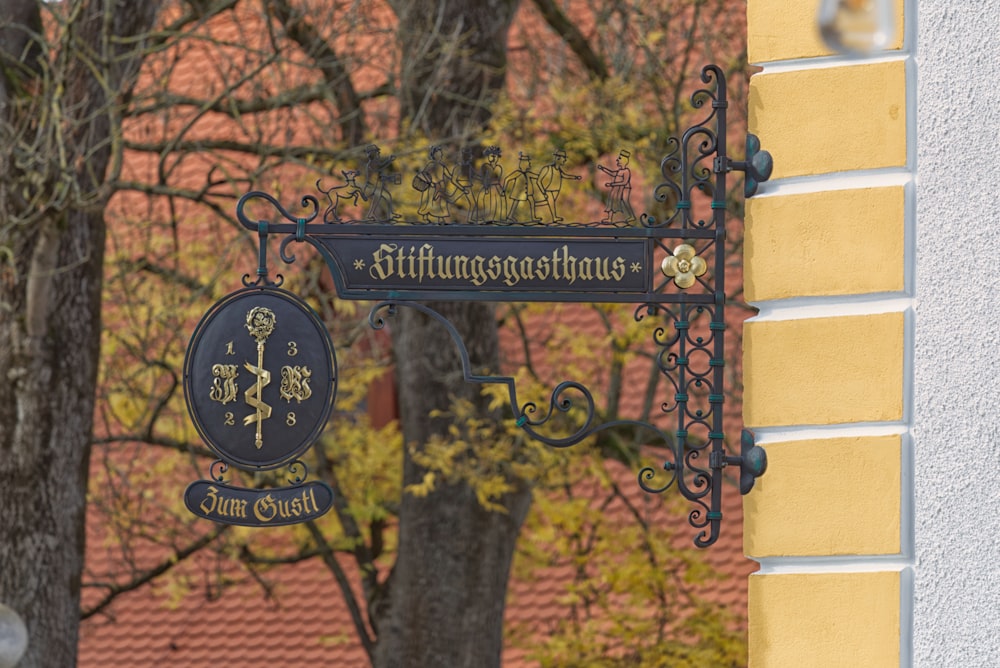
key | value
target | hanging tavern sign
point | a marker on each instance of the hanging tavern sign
(260, 372)
(260, 378)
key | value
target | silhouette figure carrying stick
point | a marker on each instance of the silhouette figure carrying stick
(619, 197)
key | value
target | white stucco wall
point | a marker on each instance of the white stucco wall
(956, 346)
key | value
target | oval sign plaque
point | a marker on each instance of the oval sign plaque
(260, 377)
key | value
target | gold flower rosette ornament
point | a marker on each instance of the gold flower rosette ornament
(684, 266)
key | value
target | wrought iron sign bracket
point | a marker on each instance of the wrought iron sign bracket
(487, 235)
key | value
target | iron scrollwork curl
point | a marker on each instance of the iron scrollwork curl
(217, 470)
(263, 229)
(297, 472)
(700, 482)
(559, 400)
(691, 161)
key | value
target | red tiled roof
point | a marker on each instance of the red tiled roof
(304, 621)
(294, 614)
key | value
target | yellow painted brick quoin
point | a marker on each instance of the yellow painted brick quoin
(825, 120)
(823, 370)
(826, 504)
(835, 242)
(850, 486)
(782, 30)
(825, 620)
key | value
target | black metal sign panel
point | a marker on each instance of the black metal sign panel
(276, 506)
(483, 264)
(260, 377)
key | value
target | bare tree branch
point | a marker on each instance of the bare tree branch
(345, 588)
(570, 33)
(334, 71)
(114, 590)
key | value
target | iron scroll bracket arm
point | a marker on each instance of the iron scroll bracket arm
(705, 516)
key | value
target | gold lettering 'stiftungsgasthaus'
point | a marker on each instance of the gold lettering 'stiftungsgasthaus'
(395, 261)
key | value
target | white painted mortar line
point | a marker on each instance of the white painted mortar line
(816, 183)
(907, 501)
(906, 618)
(827, 62)
(768, 435)
(908, 510)
(844, 564)
(798, 308)
(909, 325)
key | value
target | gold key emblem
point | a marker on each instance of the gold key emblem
(260, 323)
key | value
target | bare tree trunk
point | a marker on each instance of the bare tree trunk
(454, 63)
(448, 587)
(446, 594)
(58, 129)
